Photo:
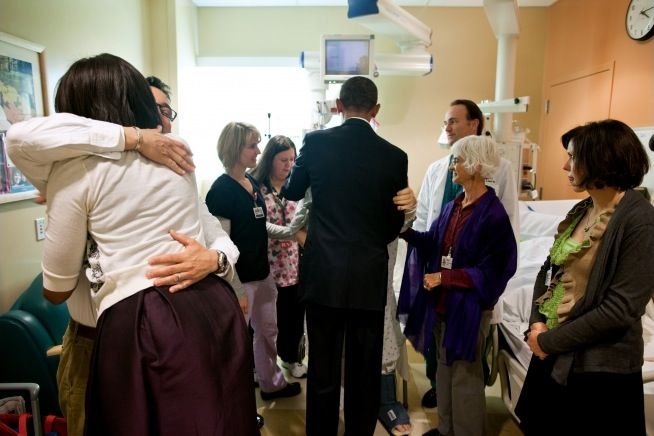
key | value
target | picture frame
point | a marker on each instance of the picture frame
(22, 96)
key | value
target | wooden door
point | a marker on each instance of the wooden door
(573, 101)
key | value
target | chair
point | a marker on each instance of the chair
(27, 331)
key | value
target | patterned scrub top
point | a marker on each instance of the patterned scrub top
(283, 256)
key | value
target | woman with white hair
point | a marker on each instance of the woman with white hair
(470, 254)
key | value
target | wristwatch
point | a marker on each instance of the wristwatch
(222, 263)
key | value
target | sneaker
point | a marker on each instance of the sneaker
(290, 390)
(429, 399)
(297, 369)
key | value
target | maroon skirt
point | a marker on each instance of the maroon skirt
(173, 364)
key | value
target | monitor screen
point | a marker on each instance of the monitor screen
(344, 56)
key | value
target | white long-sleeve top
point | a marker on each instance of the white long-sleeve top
(433, 188)
(36, 144)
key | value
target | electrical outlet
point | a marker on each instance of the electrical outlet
(39, 224)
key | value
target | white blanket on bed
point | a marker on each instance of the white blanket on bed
(517, 298)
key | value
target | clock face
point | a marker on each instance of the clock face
(639, 21)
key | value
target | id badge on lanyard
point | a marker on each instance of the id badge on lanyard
(258, 210)
(446, 261)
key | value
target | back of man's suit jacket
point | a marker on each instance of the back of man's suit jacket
(353, 174)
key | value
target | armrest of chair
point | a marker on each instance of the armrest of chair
(53, 317)
(27, 327)
(23, 344)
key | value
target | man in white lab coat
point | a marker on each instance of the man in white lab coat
(463, 118)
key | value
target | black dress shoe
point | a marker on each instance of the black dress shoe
(429, 399)
(259, 421)
(432, 432)
(290, 390)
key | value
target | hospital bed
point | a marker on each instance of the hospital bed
(538, 223)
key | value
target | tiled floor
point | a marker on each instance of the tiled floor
(285, 417)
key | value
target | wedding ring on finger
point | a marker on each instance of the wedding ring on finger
(178, 278)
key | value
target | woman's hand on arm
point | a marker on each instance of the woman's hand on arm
(184, 268)
(160, 148)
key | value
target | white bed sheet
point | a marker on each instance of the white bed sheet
(538, 223)
(517, 298)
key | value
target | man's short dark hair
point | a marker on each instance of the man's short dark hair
(358, 93)
(474, 113)
(156, 82)
(607, 153)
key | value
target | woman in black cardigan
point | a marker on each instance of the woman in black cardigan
(585, 329)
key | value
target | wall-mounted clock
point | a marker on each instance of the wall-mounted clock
(639, 21)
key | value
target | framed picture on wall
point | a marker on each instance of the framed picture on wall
(4, 181)
(22, 96)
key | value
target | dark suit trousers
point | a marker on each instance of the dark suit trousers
(362, 332)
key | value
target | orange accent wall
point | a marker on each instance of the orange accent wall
(584, 34)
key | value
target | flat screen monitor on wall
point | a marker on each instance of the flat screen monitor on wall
(345, 56)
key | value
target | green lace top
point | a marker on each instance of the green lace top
(562, 248)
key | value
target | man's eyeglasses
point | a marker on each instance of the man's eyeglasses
(167, 112)
(450, 122)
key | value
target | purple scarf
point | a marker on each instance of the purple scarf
(485, 249)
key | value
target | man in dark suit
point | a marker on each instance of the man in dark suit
(353, 175)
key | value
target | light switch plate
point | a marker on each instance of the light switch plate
(39, 225)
